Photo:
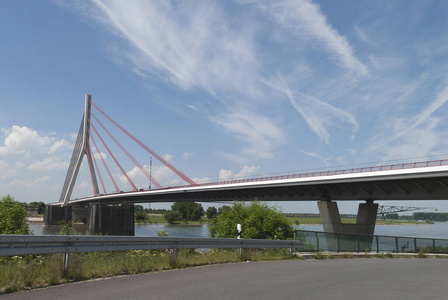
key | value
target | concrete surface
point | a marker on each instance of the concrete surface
(362, 278)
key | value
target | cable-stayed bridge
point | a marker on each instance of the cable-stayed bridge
(420, 180)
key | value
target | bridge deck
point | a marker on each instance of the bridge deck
(407, 181)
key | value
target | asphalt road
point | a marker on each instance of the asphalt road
(374, 278)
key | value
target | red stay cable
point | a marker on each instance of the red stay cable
(143, 170)
(96, 165)
(113, 156)
(104, 163)
(170, 166)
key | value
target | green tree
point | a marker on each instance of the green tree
(12, 217)
(138, 208)
(140, 216)
(223, 208)
(66, 228)
(41, 206)
(212, 212)
(172, 216)
(190, 211)
(257, 219)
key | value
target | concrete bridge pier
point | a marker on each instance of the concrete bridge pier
(110, 219)
(365, 225)
(80, 213)
(55, 214)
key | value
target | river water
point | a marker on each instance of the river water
(439, 230)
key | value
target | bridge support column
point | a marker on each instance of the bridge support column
(80, 214)
(55, 214)
(111, 220)
(365, 225)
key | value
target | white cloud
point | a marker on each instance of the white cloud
(84, 185)
(362, 35)
(235, 158)
(22, 184)
(245, 172)
(48, 164)
(167, 157)
(100, 155)
(225, 174)
(187, 155)
(415, 143)
(259, 132)
(191, 44)
(402, 127)
(202, 180)
(162, 174)
(7, 170)
(23, 140)
(319, 115)
(305, 19)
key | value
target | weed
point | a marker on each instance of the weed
(421, 254)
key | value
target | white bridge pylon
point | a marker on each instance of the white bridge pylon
(81, 148)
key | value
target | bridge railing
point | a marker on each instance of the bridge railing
(328, 172)
(316, 241)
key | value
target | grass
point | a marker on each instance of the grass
(26, 272)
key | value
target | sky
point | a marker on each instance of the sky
(221, 89)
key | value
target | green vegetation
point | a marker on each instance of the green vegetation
(12, 217)
(172, 216)
(184, 211)
(25, 272)
(257, 219)
(190, 211)
(66, 228)
(41, 206)
(212, 212)
(437, 217)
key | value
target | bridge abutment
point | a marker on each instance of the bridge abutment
(111, 219)
(365, 225)
(55, 214)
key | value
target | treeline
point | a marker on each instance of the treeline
(438, 217)
(139, 208)
(179, 212)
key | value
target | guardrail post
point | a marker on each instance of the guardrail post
(174, 255)
(434, 245)
(317, 243)
(415, 245)
(339, 246)
(66, 261)
(377, 245)
(396, 244)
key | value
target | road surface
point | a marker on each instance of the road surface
(374, 278)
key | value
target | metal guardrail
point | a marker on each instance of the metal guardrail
(344, 242)
(24, 244)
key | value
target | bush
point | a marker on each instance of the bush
(140, 217)
(212, 212)
(172, 216)
(12, 217)
(257, 219)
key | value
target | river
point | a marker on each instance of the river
(439, 230)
